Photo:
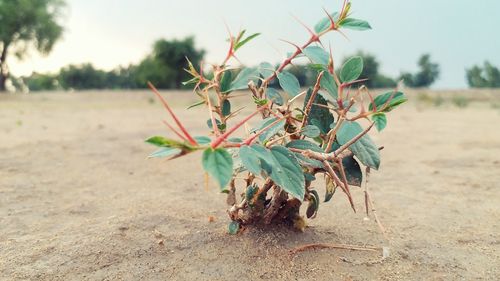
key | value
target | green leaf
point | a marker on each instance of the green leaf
(380, 121)
(270, 132)
(324, 23)
(380, 101)
(165, 152)
(266, 69)
(355, 24)
(310, 131)
(233, 227)
(317, 55)
(196, 104)
(226, 108)
(164, 142)
(218, 163)
(328, 83)
(351, 70)
(304, 145)
(250, 160)
(289, 83)
(317, 67)
(286, 172)
(274, 96)
(225, 81)
(352, 171)
(364, 149)
(319, 116)
(244, 41)
(242, 79)
(221, 126)
(202, 140)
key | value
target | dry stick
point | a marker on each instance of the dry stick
(311, 99)
(370, 202)
(333, 246)
(334, 176)
(343, 175)
(179, 124)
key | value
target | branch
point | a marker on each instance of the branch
(311, 99)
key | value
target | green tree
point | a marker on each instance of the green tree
(486, 77)
(164, 66)
(428, 73)
(40, 82)
(25, 24)
(81, 77)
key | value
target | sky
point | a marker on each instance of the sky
(108, 33)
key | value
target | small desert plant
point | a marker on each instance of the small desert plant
(460, 101)
(274, 165)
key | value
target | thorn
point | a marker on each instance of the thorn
(174, 130)
(304, 25)
(342, 33)
(332, 21)
(286, 41)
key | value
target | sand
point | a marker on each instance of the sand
(79, 200)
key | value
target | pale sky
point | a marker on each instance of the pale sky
(107, 33)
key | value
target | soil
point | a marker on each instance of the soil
(79, 200)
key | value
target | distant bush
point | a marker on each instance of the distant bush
(427, 75)
(487, 76)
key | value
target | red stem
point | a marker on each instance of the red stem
(224, 136)
(252, 138)
(179, 124)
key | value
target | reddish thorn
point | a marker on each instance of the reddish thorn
(304, 25)
(293, 44)
(332, 21)
(167, 107)
(174, 130)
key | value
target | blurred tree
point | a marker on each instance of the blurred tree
(164, 67)
(428, 74)
(80, 77)
(486, 77)
(371, 71)
(25, 24)
(40, 82)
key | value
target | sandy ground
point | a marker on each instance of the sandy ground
(80, 201)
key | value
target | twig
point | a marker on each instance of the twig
(310, 102)
(334, 176)
(369, 201)
(306, 247)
